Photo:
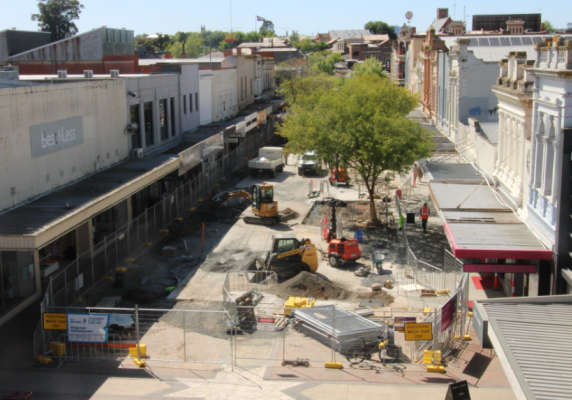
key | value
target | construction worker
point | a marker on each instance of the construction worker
(401, 221)
(424, 216)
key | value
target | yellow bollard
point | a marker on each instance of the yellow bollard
(335, 365)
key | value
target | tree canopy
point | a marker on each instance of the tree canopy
(325, 64)
(369, 66)
(359, 122)
(268, 26)
(57, 16)
(549, 27)
(380, 27)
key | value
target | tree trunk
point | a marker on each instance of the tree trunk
(372, 211)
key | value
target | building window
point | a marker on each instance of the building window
(185, 103)
(18, 278)
(241, 89)
(134, 119)
(148, 117)
(191, 102)
(251, 86)
(173, 128)
(197, 101)
(163, 119)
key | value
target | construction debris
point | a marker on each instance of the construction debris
(376, 287)
(302, 362)
(246, 304)
(362, 271)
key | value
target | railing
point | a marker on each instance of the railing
(89, 268)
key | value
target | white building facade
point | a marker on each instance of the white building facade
(552, 112)
(514, 93)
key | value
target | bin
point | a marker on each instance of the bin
(398, 193)
(359, 236)
(411, 218)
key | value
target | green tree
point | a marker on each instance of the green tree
(325, 64)
(295, 39)
(369, 66)
(57, 16)
(362, 124)
(549, 27)
(267, 26)
(380, 27)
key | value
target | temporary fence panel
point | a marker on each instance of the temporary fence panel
(198, 336)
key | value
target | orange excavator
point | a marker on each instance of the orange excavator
(264, 208)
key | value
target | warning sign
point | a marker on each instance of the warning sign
(266, 324)
(55, 321)
(418, 331)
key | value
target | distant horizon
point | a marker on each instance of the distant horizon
(170, 17)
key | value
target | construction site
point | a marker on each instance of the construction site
(273, 274)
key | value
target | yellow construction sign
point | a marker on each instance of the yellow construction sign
(55, 321)
(418, 331)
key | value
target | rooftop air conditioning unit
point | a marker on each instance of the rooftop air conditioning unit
(62, 74)
(138, 153)
(88, 74)
(114, 73)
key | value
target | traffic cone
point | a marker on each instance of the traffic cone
(496, 287)
(513, 291)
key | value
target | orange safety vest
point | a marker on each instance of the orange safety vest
(424, 212)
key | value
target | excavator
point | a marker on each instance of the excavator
(287, 257)
(264, 208)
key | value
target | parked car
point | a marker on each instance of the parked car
(308, 163)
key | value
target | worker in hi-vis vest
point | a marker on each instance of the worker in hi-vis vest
(424, 216)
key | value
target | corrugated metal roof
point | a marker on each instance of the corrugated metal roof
(483, 217)
(439, 23)
(462, 197)
(492, 237)
(346, 34)
(536, 340)
(495, 54)
(449, 172)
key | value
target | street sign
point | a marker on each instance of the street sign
(55, 321)
(458, 391)
(418, 331)
(399, 323)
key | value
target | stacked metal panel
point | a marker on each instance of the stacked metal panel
(335, 326)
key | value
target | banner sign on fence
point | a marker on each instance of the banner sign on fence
(266, 324)
(418, 331)
(87, 328)
(504, 268)
(55, 321)
(449, 312)
(400, 321)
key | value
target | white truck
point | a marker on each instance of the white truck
(270, 161)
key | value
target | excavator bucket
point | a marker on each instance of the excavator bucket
(287, 215)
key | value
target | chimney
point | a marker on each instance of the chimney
(515, 26)
(442, 13)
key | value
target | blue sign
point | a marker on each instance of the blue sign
(88, 328)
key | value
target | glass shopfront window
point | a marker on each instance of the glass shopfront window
(109, 221)
(148, 115)
(18, 281)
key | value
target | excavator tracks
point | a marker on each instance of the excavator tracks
(261, 221)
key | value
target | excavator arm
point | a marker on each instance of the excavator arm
(229, 195)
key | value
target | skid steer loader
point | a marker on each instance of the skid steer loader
(287, 257)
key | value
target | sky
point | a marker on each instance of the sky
(305, 17)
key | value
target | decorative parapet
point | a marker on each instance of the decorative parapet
(554, 54)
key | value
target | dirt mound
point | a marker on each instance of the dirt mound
(307, 284)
